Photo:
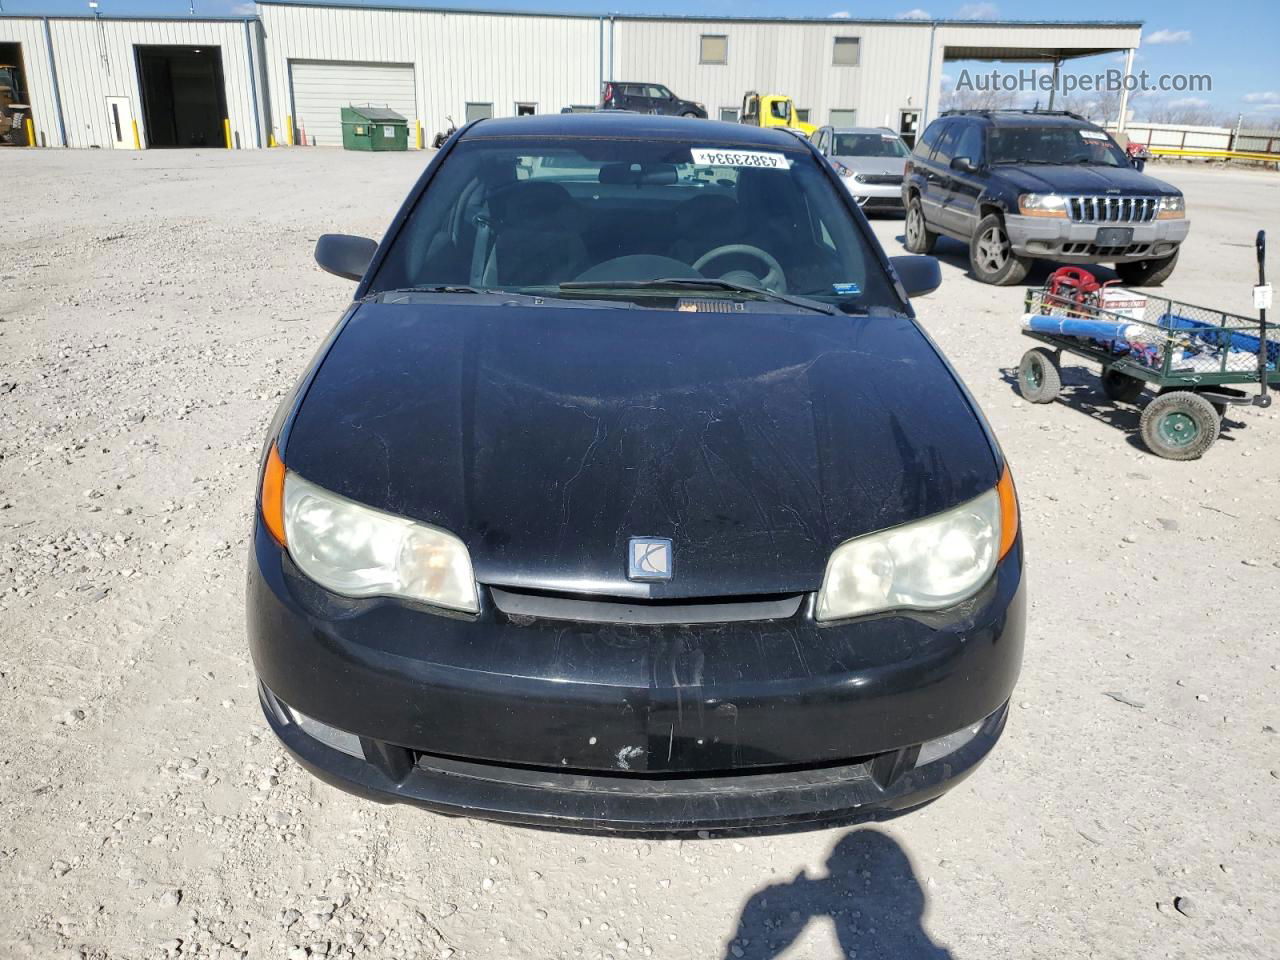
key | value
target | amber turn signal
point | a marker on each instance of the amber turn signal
(273, 495)
(1008, 511)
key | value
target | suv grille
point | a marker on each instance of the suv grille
(1112, 209)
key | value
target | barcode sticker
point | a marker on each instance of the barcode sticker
(709, 156)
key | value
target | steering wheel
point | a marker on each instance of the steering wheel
(774, 279)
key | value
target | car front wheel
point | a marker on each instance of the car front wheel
(991, 254)
(919, 238)
(1147, 273)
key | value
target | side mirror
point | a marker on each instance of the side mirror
(1139, 163)
(345, 256)
(919, 276)
(964, 165)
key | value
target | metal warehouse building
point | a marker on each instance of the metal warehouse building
(283, 75)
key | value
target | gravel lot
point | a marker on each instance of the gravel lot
(154, 306)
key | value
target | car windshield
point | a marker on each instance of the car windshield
(525, 215)
(1059, 145)
(868, 145)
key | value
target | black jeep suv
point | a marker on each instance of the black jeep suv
(648, 98)
(1017, 185)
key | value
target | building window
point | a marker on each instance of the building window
(844, 118)
(526, 109)
(846, 52)
(729, 114)
(714, 48)
(479, 111)
(802, 114)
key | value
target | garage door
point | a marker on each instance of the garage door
(322, 88)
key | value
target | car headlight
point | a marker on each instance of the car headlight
(1172, 208)
(926, 565)
(1042, 205)
(841, 169)
(358, 551)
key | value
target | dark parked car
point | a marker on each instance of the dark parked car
(628, 494)
(1017, 185)
(648, 98)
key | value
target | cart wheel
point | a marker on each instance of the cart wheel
(1120, 387)
(1038, 377)
(1179, 426)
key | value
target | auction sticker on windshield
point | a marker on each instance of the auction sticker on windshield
(761, 160)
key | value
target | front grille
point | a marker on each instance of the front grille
(881, 179)
(1099, 250)
(1112, 209)
(541, 605)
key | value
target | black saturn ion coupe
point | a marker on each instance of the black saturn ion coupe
(629, 495)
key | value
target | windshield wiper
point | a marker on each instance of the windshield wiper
(703, 283)
(442, 288)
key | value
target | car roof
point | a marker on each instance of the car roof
(1023, 118)
(635, 126)
(878, 131)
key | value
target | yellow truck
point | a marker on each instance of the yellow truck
(773, 110)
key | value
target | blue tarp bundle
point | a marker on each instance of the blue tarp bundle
(1082, 327)
(1218, 338)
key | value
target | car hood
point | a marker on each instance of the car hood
(875, 165)
(1076, 178)
(545, 437)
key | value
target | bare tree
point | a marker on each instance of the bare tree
(1199, 114)
(979, 99)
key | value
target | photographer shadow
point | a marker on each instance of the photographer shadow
(870, 894)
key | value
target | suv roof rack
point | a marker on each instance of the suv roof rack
(1036, 111)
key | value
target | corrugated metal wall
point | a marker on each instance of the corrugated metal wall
(95, 60)
(505, 58)
(457, 57)
(789, 58)
(29, 33)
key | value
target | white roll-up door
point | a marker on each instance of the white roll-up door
(322, 88)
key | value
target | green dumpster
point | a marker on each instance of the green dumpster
(374, 128)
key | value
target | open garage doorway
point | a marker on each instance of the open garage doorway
(183, 96)
(15, 108)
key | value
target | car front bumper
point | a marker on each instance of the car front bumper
(874, 196)
(1068, 241)
(625, 727)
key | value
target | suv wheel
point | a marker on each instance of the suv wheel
(919, 239)
(991, 254)
(1147, 273)
(689, 113)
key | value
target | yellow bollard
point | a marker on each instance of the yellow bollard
(419, 125)
(271, 139)
(226, 129)
(288, 129)
(31, 133)
(137, 141)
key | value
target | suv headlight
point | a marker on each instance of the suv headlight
(358, 551)
(1042, 205)
(1172, 208)
(926, 565)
